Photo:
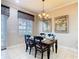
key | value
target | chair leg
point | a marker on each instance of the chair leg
(30, 50)
(42, 56)
(35, 53)
(26, 47)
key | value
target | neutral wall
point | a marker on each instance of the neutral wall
(13, 36)
(69, 39)
(12, 27)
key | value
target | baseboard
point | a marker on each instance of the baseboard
(14, 46)
(3, 49)
(68, 48)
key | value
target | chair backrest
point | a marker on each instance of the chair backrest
(27, 37)
(51, 35)
(42, 34)
(37, 40)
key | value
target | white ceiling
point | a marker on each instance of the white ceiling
(36, 5)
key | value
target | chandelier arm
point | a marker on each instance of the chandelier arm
(43, 15)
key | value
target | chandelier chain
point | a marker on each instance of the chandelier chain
(43, 5)
(43, 15)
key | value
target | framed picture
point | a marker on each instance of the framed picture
(61, 24)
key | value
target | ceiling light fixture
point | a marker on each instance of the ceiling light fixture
(43, 15)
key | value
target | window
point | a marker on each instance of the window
(4, 18)
(25, 26)
(25, 23)
(45, 26)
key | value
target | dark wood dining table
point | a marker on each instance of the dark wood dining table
(50, 43)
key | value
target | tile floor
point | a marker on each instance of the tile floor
(18, 52)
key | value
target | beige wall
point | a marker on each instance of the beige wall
(36, 26)
(12, 27)
(69, 39)
(14, 37)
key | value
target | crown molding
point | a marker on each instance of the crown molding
(34, 12)
(63, 5)
(17, 7)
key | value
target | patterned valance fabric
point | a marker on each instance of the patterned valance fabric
(5, 10)
(25, 15)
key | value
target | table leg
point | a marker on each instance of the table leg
(48, 52)
(53, 47)
(56, 46)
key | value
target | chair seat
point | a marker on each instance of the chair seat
(39, 46)
(31, 43)
(44, 48)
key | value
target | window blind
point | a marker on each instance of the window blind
(25, 15)
(4, 10)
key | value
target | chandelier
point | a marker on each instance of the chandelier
(43, 15)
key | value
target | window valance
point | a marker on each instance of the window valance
(5, 10)
(25, 15)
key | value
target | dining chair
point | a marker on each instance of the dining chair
(39, 46)
(51, 35)
(43, 35)
(29, 42)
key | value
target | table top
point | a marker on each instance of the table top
(48, 41)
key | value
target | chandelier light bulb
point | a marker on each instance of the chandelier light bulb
(40, 15)
(47, 15)
(43, 14)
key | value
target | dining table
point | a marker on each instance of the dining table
(49, 43)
